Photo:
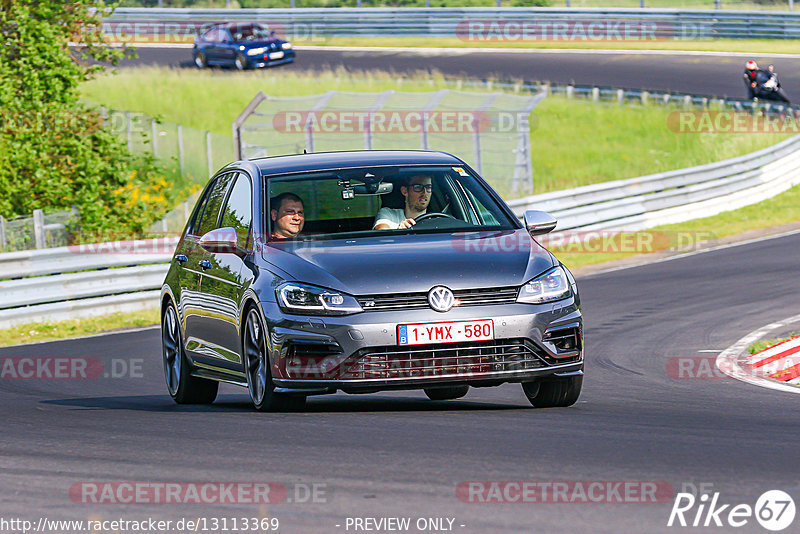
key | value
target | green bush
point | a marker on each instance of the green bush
(54, 152)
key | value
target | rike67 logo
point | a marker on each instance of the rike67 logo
(774, 510)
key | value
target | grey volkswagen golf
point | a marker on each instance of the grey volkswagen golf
(361, 272)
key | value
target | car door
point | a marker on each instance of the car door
(226, 48)
(222, 282)
(188, 256)
(198, 307)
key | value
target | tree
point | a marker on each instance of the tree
(54, 151)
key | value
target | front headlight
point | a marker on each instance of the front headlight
(547, 287)
(286, 46)
(256, 51)
(299, 298)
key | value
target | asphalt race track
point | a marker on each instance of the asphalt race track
(718, 75)
(399, 454)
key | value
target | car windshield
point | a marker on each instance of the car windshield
(251, 32)
(379, 201)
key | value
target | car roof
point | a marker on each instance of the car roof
(323, 161)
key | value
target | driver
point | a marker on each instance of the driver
(417, 194)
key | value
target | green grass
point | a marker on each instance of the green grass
(758, 346)
(573, 142)
(782, 209)
(48, 331)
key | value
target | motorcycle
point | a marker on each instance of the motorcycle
(766, 86)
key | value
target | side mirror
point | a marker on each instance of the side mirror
(221, 240)
(539, 222)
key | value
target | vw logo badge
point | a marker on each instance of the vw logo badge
(441, 299)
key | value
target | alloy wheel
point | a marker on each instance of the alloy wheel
(170, 338)
(255, 358)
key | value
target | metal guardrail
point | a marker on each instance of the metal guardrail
(675, 196)
(310, 23)
(82, 280)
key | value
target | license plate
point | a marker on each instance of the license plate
(275, 55)
(451, 332)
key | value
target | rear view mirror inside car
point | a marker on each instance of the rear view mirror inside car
(381, 188)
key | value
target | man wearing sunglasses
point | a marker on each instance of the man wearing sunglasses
(417, 194)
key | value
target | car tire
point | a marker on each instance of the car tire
(447, 393)
(554, 392)
(258, 373)
(240, 62)
(200, 60)
(182, 386)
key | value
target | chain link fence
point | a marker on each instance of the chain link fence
(198, 153)
(490, 131)
(38, 230)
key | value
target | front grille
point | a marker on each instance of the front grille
(464, 297)
(459, 360)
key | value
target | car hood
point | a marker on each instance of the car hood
(264, 43)
(412, 262)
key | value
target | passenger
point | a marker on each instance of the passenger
(417, 194)
(287, 215)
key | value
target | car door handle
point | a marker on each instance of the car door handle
(205, 264)
(181, 258)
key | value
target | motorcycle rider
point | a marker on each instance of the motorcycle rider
(755, 77)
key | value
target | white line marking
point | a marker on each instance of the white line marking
(125, 331)
(587, 51)
(472, 50)
(728, 360)
(710, 350)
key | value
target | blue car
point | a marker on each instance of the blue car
(241, 45)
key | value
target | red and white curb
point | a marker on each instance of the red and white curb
(779, 362)
(777, 367)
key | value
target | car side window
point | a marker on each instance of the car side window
(212, 35)
(198, 211)
(238, 211)
(216, 194)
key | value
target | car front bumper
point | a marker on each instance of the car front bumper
(359, 353)
(260, 62)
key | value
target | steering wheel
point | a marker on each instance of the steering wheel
(432, 215)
